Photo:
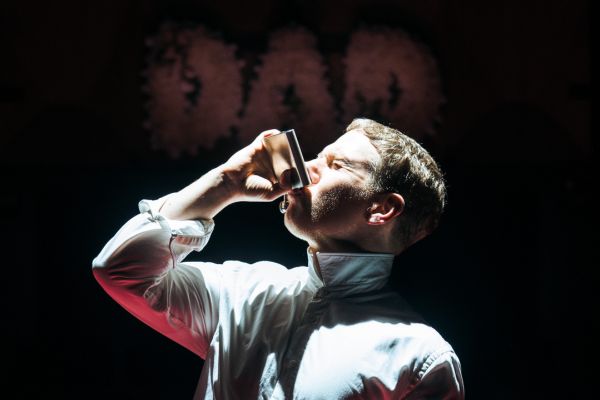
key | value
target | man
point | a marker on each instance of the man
(331, 330)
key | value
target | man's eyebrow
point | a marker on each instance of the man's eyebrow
(335, 151)
(332, 152)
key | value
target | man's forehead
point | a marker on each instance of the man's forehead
(354, 143)
(353, 135)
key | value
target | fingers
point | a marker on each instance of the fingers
(259, 188)
(254, 171)
(288, 178)
(261, 157)
(256, 183)
(266, 134)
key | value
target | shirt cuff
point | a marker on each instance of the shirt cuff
(193, 234)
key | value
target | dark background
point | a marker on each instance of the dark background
(506, 279)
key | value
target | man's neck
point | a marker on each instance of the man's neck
(335, 246)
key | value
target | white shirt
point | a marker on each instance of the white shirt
(269, 332)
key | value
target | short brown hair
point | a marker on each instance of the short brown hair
(408, 169)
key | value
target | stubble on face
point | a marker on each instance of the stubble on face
(331, 218)
(328, 203)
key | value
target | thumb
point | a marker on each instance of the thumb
(288, 178)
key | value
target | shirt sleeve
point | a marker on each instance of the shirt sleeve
(440, 379)
(142, 269)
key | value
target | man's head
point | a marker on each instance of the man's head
(374, 189)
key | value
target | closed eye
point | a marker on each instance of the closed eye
(336, 164)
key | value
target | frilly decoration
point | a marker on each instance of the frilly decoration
(391, 77)
(194, 87)
(291, 92)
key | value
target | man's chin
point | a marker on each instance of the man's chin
(295, 224)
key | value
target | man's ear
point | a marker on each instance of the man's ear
(383, 211)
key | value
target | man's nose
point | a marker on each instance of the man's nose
(314, 171)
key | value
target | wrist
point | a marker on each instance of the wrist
(229, 182)
(202, 199)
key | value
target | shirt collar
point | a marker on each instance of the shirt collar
(350, 272)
